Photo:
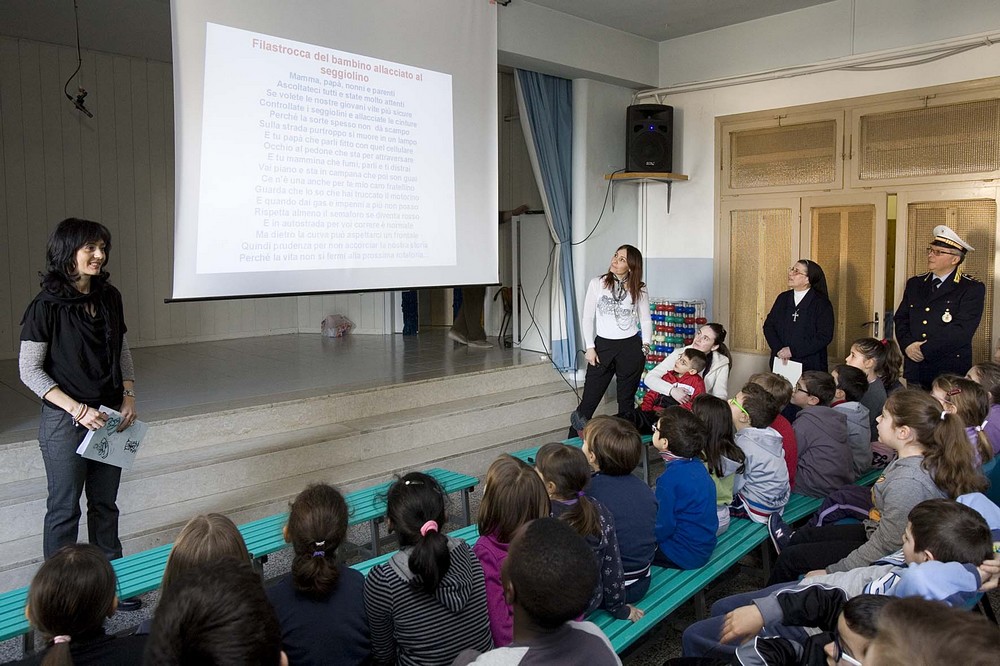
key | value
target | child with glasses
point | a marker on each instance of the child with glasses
(825, 460)
(781, 390)
(851, 387)
(762, 488)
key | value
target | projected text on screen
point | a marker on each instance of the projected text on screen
(314, 158)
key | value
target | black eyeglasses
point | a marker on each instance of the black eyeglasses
(799, 388)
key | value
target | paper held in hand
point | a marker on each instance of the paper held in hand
(790, 370)
(107, 445)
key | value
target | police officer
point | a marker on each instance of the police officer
(939, 313)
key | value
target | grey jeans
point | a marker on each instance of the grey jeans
(68, 475)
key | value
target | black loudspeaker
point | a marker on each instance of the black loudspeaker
(649, 138)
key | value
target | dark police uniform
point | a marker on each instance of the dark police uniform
(946, 317)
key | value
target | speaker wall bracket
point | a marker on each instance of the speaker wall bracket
(642, 178)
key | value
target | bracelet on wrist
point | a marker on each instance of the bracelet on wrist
(128, 393)
(79, 413)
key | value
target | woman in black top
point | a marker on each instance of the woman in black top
(799, 326)
(74, 356)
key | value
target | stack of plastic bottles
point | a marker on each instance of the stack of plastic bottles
(675, 324)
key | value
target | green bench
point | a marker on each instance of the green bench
(143, 571)
(12, 620)
(468, 534)
(264, 536)
(671, 588)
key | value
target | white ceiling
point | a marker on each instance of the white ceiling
(142, 27)
(659, 20)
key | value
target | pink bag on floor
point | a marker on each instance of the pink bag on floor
(336, 326)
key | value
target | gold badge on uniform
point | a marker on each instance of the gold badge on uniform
(946, 317)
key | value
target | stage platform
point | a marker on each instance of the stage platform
(201, 377)
(241, 426)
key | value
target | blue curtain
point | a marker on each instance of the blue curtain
(548, 103)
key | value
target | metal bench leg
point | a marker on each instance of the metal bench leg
(374, 531)
(645, 464)
(700, 605)
(466, 506)
(258, 564)
(765, 559)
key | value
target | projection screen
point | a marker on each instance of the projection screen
(334, 146)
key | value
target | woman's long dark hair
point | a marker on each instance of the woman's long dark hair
(720, 339)
(317, 524)
(633, 281)
(413, 500)
(816, 277)
(60, 254)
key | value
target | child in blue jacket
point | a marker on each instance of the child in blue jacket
(686, 521)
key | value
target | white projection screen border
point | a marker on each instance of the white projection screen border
(325, 147)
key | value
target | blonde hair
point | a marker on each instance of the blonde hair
(204, 538)
(512, 496)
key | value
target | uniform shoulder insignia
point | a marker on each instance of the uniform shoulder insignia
(966, 276)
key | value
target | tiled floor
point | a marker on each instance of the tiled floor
(207, 376)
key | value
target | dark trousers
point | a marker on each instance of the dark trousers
(469, 320)
(816, 548)
(637, 590)
(68, 476)
(701, 639)
(622, 359)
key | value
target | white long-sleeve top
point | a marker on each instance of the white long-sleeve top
(614, 320)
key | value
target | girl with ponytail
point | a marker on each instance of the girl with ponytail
(566, 473)
(428, 602)
(882, 363)
(70, 596)
(933, 461)
(320, 604)
(971, 403)
(987, 375)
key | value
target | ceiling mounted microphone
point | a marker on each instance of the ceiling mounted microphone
(78, 103)
(82, 94)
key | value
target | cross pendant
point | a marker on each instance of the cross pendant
(795, 316)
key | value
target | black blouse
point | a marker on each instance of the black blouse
(84, 350)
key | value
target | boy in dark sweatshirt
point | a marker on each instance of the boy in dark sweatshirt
(825, 461)
(851, 387)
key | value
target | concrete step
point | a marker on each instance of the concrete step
(22, 460)
(465, 422)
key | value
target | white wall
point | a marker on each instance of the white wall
(599, 149)
(822, 32)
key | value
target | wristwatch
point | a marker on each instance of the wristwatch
(645, 349)
(128, 393)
